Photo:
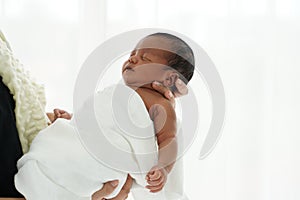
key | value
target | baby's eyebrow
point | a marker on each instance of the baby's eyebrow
(154, 54)
(148, 51)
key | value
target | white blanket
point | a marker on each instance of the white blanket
(60, 165)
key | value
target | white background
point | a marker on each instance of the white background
(255, 46)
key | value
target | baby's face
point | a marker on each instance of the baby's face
(145, 64)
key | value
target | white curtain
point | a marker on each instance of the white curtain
(255, 46)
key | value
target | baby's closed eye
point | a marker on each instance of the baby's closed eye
(146, 58)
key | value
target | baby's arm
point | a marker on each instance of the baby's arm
(164, 118)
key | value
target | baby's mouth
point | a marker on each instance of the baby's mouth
(128, 68)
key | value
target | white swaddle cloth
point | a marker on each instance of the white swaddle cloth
(61, 165)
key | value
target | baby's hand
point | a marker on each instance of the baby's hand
(58, 113)
(156, 178)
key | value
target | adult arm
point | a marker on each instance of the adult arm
(106, 190)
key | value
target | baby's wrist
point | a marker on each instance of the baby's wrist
(164, 167)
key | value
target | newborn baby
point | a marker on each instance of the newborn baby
(58, 166)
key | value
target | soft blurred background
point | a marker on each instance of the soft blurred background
(255, 46)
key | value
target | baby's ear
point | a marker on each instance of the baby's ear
(181, 88)
(170, 79)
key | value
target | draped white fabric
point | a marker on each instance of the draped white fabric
(255, 46)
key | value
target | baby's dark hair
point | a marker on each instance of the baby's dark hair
(181, 58)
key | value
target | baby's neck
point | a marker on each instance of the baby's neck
(148, 85)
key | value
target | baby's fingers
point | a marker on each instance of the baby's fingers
(56, 112)
(156, 188)
(155, 176)
(164, 91)
(156, 182)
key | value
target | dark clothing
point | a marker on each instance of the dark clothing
(10, 146)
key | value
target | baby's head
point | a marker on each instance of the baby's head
(159, 57)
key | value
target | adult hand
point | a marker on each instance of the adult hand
(164, 91)
(123, 194)
(107, 189)
(181, 90)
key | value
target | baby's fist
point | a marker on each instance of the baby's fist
(58, 113)
(156, 178)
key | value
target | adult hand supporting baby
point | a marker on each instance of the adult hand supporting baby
(106, 190)
(123, 194)
(181, 90)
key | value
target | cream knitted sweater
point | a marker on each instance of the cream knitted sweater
(29, 96)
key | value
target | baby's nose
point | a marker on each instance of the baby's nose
(133, 59)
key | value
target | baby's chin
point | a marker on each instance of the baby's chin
(135, 85)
